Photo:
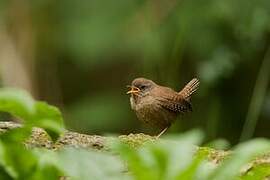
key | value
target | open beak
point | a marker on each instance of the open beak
(133, 90)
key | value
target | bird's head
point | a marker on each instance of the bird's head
(141, 87)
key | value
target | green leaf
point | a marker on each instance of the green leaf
(4, 174)
(181, 151)
(148, 162)
(17, 102)
(45, 111)
(20, 104)
(163, 159)
(47, 166)
(82, 164)
(17, 161)
(218, 144)
(17, 135)
(6, 170)
(49, 118)
(191, 170)
(242, 154)
(257, 172)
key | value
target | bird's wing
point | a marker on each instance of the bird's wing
(171, 100)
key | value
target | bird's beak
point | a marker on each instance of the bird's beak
(133, 90)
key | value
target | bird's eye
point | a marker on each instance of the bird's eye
(142, 87)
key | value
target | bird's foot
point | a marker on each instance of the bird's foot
(163, 131)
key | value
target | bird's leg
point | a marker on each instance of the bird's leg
(163, 131)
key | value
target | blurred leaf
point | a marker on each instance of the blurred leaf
(49, 118)
(4, 174)
(161, 160)
(257, 173)
(4, 116)
(47, 166)
(191, 170)
(17, 102)
(5, 169)
(145, 163)
(17, 135)
(204, 170)
(84, 165)
(242, 154)
(17, 161)
(181, 151)
(219, 144)
(20, 104)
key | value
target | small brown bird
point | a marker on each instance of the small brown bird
(158, 105)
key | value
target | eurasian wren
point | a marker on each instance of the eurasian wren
(158, 105)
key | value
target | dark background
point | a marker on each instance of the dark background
(80, 55)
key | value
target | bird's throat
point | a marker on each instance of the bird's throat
(135, 98)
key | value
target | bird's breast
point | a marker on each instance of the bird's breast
(149, 110)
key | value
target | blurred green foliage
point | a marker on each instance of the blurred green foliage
(16, 161)
(173, 158)
(21, 105)
(86, 52)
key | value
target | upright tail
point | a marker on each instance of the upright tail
(189, 89)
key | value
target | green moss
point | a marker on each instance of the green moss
(39, 138)
(213, 155)
(136, 140)
(80, 141)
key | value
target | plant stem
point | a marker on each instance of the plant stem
(257, 98)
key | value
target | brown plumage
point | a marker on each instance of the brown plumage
(158, 105)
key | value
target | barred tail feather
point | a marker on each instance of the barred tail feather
(189, 89)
